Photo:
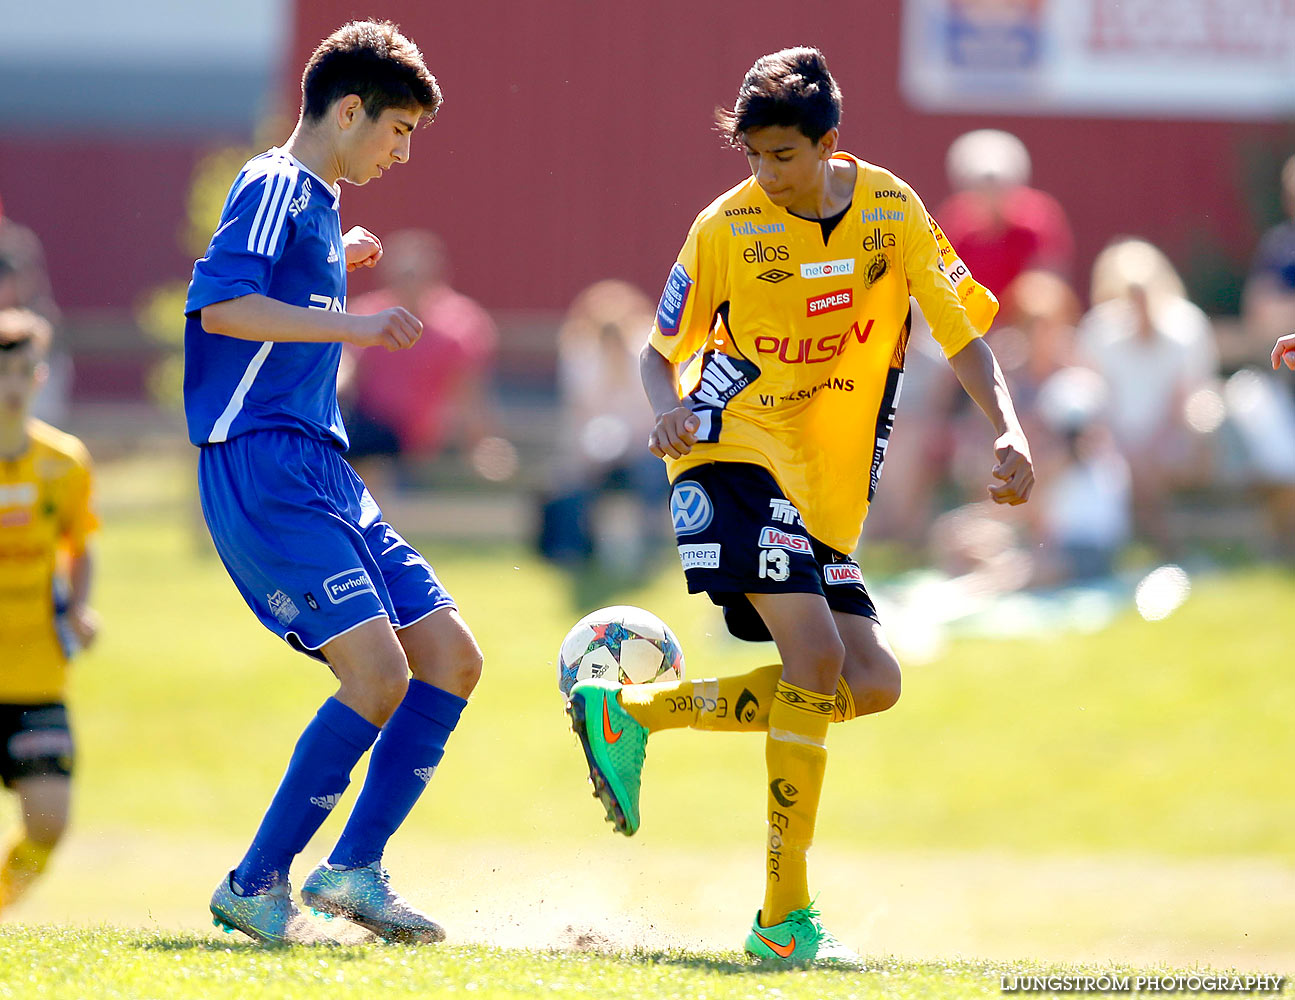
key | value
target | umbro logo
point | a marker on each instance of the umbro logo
(424, 774)
(774, 275)
(326, 802)
(332, 254)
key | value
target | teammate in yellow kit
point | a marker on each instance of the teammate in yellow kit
(45, 568)
(774, 368)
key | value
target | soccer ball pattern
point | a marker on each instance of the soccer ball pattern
(625, 643)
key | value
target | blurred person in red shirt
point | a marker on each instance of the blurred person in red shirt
(1000, 225)
(409, 405)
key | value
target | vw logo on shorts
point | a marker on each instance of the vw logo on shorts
(690, 508)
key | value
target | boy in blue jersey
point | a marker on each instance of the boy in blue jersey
(301, 536)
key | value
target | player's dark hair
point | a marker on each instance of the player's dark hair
(792, 88)
(21, 327)
(374, 61)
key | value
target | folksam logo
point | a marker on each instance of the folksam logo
(690, 508)
(343, 586)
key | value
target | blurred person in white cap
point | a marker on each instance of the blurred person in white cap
(1000, 225)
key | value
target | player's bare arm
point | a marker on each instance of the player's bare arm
(257, 317)
(361, 248)
(1284, 350)
(82, 617)
(978, 371)
(676, 425)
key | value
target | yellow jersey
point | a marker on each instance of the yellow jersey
(45, 515)
(791, 346)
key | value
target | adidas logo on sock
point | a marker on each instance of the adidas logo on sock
(326, 802)
(424, 773)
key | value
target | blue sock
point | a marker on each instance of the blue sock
(317, 775)
(411, 745)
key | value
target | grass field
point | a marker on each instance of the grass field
(1123, 797)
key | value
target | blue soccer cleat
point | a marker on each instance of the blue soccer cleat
(364, 896)
(263, 917)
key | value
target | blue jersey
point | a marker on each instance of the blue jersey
(280, 236)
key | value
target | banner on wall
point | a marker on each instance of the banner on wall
(1172, 58)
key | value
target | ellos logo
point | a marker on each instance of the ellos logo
(829, 302)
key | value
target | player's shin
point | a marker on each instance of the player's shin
(317, 775)
(25, 861)
(796, 756)
(406, 754)
(737, 704)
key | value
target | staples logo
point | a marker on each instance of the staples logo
(343, 586)
(842, 573)
(772, 538)
(827, 268)
(829, 302)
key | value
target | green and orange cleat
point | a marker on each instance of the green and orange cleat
(615, 746)
(801, 939)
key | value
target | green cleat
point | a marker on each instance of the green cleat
(615, 745)
(801, 939)
(264, 917)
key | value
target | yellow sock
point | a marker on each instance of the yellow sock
(722, 704)
(796, 756)
(26, 860)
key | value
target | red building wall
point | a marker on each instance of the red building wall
(575, 142)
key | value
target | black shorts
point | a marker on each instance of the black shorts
(35, 742)
(738, 534)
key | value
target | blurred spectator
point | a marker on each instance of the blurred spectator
(405, 406)
(1084, 515)
(1000, 225)
(1034, 336)
(1268, 302)
(605, 422)
(1153, 348)
(21, 247)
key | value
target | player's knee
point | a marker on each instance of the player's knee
(877, 686)
(464, 667)
(817, 663)
(377, 688)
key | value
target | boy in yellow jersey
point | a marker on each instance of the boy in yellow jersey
(45, 518)
(774, 368)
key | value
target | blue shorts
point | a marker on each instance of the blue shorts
(305, 541)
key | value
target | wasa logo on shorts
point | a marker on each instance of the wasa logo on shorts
(772, 538)
(352, 582)
(699, 556)
(827, 268)
(282, 607)
(842, 573)
(829, 302)
(690, 508)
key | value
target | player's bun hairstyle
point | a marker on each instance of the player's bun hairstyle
(791, 88)
(19, 327)
(374, 61)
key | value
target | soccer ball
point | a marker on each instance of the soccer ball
(625, 643)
